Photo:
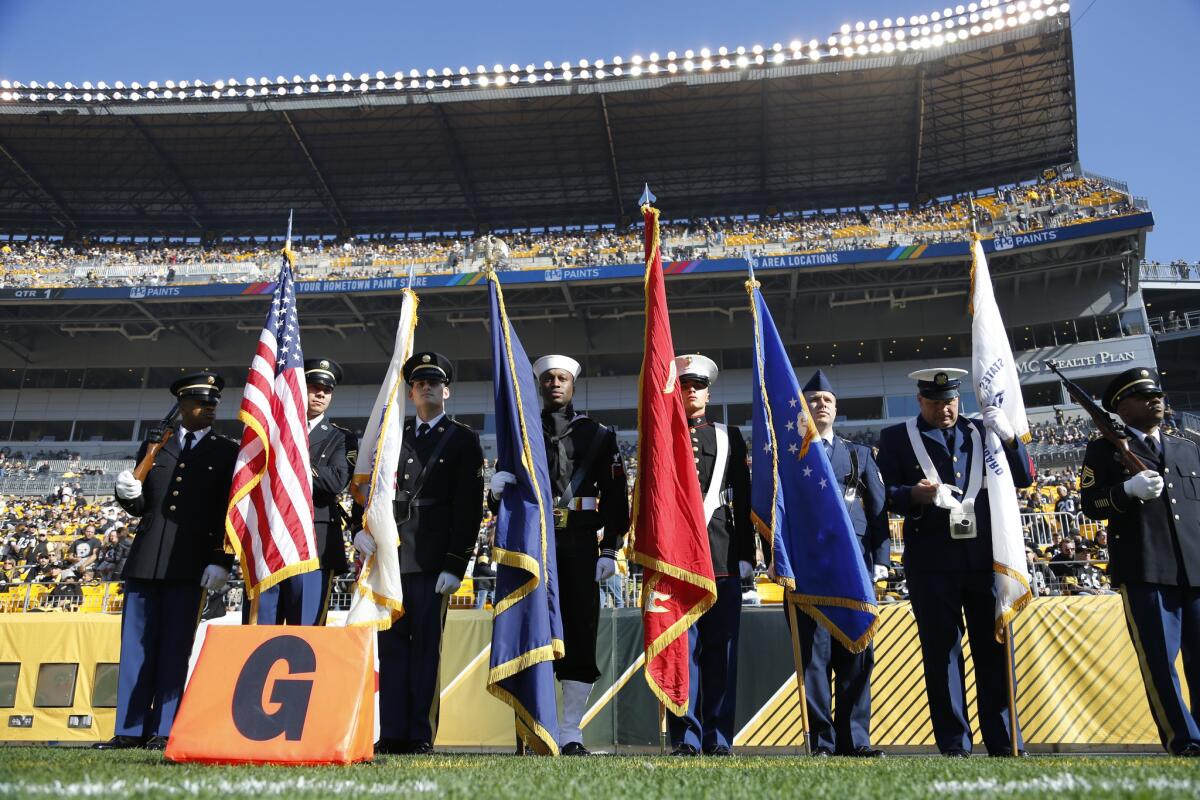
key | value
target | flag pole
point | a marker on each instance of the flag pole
(792, 614)
(798, 660)
(1010, 682)
(1010, 675)
(662, 728)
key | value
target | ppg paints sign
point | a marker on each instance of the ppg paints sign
(1034, 365)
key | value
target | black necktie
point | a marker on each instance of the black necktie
(1152, 445)
(948, 434)
(188, 440)
(422, 429)
(828, 450)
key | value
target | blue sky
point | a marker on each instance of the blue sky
(1135, 62)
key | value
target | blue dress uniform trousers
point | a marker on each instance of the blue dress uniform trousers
(157, 629)
(830, 666)
(410, 653)
(1162, 620)
(940, 601)
(712, 673)
(298, 600)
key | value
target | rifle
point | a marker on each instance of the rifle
(1110, 429)
(168, 430)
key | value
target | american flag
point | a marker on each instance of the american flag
(269, 523)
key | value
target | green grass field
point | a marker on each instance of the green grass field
(37, 772)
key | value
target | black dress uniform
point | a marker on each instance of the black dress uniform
(1155, 559)
(591, 518)
(304, 599)
(576, 443)
(438, 508)
(713, 638)
(949, 578)
(849, 733)
(182, 531)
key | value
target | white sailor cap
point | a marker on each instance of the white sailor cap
(556, 362)
(696, 367)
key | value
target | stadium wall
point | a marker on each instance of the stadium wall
(1079, 687)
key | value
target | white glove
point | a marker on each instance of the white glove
(214, 578)
(605, 568)
(1146, 485)
(128, 487)
(994, 418)
(447, 583)
(364, 543)
(499, 481)
(746, 569)
(881, 573)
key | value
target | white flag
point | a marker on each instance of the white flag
(378, 599)
(996, 384)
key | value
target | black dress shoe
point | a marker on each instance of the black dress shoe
(392, 747)
(685, 750)
(864, 752)
(821, 752)
(1190, 751)
(575, 749)
(121, 743)
(156, 743)
(957, 752)
(718, 750)
(421, 749)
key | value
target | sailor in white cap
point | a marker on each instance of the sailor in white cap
(932, 471)
(591, 517)
(720, 456)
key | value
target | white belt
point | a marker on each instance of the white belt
(583, 504)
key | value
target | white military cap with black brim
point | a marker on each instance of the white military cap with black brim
(938, 383)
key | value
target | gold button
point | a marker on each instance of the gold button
(410, 461)
(697, 461)
(1170, 486)
(958, 474)
(694, 448)
(956, 459)
(178, 478)
(182, 465)
(174, 493)
(1173, 500)
(406, 476)
(1176, 516)
(172, 508)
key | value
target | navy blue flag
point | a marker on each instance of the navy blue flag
(796, 500)
(526, 629)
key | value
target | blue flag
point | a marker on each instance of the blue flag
(796, 500)
(527, 629)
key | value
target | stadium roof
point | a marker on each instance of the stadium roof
(823, 125)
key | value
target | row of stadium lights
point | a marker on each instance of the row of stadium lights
(861, 39)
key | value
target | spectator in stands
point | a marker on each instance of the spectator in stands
(1064, 563)
(85, 549)
(1100, 546)
(45, 571)
(66, 594)
(1040, 577)
(112, 556)
(11, 573)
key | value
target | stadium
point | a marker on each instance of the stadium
(140, 229)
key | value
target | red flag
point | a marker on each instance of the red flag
(670, 538)
(269, 522)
